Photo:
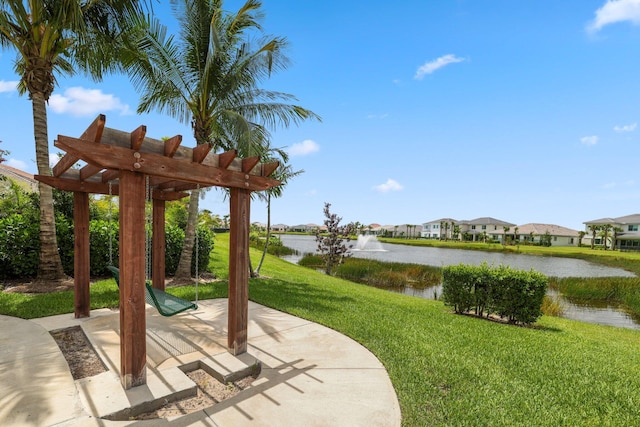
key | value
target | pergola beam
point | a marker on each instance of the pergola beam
(110, 157)
(93, 134)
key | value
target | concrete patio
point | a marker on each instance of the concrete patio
(310, 375)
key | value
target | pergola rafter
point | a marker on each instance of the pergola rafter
(118, 163)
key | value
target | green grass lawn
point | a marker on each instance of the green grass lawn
(447, 369)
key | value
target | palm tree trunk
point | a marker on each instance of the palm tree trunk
(50, 265)
(266, 244)
(184, 265)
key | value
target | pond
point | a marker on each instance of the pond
(440, 257)
(606, 314)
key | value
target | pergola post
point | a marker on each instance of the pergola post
(81, 264)
(159, 239)
(133, 350)
(240, 202)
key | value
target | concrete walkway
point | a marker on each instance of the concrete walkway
(311, 375)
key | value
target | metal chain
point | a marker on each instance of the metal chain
(197, 249)
(110, 226)
(147, 228)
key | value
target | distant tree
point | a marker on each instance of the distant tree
(456, 231)
(515, 233)
(594, 228)
(332, 245)
(545, 239)
(581, 235)
(505, 230)
(3, 154)
(283, 174)
(616, 231)
(484, 236)
(605, 229)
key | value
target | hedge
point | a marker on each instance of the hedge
(20, 246)
(514, 295)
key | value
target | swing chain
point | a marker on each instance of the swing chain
(197, 242)
(147, 228)
(110, 225)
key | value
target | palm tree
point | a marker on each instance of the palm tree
(616, 230)
(581, 235)
(283, 174)
(456, 231)
(594, 228)
(505, 230)
(53, 37)
(605, 229)
(209, 77)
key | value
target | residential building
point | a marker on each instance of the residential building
(279, 228)
(534, 233)
(439, 229)
(23, 179)
(485, 228)
(623, 233)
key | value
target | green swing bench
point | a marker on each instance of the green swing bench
(166, 304)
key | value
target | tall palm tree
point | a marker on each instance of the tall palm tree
(52, 38)
(209, 77)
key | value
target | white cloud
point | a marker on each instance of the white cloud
(626, 128)
(615, 11)
(610, 185)
(15, 163)
(589, 140)
(8, 86)
(303, 148)
(79, 101)
(431, 66)
(377, 116)
(390, 185)
(53, 159)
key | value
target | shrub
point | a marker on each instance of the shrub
(204, 247)
(515, 295)
(19, 246)
(174, 236)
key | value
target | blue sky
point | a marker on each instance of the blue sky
(524, 111)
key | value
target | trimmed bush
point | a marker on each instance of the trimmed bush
(19, 246)
(514, 295)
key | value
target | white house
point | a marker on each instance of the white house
(439, 228)
(485, 228)
(623, 233)
(559, 236)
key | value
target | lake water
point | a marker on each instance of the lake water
(440, 257)
(606, 314)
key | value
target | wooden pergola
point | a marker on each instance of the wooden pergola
(131, 165)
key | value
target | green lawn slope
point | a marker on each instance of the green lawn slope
(446, 369)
